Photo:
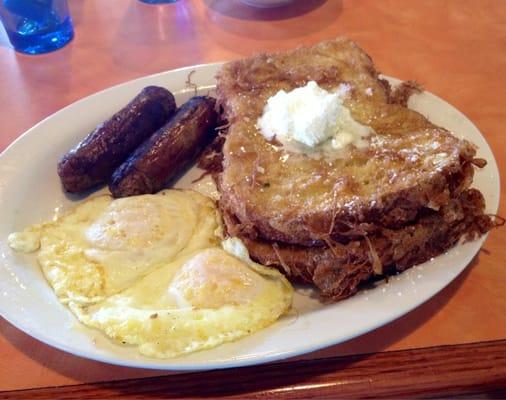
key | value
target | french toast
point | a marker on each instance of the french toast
(409, 164)
(338, 270)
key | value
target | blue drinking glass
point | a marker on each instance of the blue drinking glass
(36, 26)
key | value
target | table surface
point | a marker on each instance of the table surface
(453, 344)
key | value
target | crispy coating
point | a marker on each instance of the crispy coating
(337, 269)
(409, 163)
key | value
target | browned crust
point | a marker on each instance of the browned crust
(401, 94)
(292, 69)
(391, 211)
(211, 159)
(338, 269)
(242, 87)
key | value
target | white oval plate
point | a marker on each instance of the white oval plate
(30, 192)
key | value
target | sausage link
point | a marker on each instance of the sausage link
(94, 159)
(168, 151)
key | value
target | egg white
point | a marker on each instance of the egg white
(196, 302)
(104, 245)
(149, 271)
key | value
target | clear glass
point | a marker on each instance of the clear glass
(36, 26)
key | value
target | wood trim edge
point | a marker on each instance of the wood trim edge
(436, 371)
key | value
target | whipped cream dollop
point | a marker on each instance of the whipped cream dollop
(311, 119)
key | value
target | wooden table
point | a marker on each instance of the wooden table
(455, 344)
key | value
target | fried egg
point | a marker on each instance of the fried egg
(194, 303)
(104, 245)
(152, 271)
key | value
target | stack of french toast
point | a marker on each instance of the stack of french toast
(369, 212)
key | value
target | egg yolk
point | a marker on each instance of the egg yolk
(213, 279)
(137, 226)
